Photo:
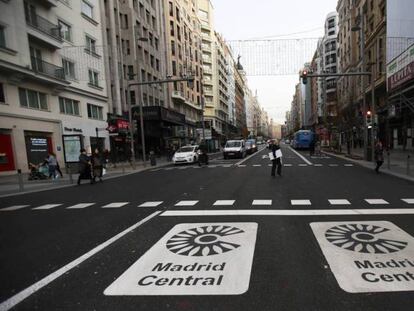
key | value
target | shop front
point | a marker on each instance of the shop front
(120, 144)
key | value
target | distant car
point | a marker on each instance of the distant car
(234, 148)
(287, 141)
(251, 146)
(186, 154)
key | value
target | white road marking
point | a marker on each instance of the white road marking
(270, 165)
(262, 202)
(339, 202)
(376, 201)
(13, 208)
(19, 297)
(257, 165)
(318, 165)
(333, 165)
(227, 165)
(46, 206)
(301, 156)
(250, 156)
(80, 205)
(223, 202)
(409, 201)
(186, 203)
(288, 165)
(151, 204)
(115, 205)
(348, 165)
(212, 166)
(300, 202)
(291, 212)
(169, 168)
(303, 165)
(241, 165)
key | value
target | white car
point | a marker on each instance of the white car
(234, 148)
(186, 154)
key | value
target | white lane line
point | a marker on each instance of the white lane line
(262, 202)
(250, 156)
(318, 165)
(241, 165)
(80, 205)
(291, 212)
(270, 165)
(257, 165)
(333, 165)
(348, 165)
(300, 156)
(303, 165)
(115, 205)
(186, 203)
(226, 165)
(409, 201)
(287, 165)
(19, 297)
(46, 206)
(339, 202)
(151, 204)
(212, 166)
(223, 202)
(300, 202)
(169, 168)
(13, 208)
(376, 201)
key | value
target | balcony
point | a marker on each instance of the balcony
(208, 71)
(50, 3)
(178, 96)
(207, 59)
(41, 67)
(208, 92)
(43, 30)
(206, 37)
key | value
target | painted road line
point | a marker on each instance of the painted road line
(376, 201)
(409, 201)
(186, 203)
(367, 256)
(115, 205)
(262, 202)
(80, 205)
(287, 165)
(300, 202)
(151, 204)
(339, 202)
(348, 165)
(333, 165)
(19, 297)
(303, 165)
(249, 157)
(226, 165)
(241, 165)
(46, 206)
(169, 168)
(300, 156)
(212, 166)
(257, 165)
(223, 202)
(212, 258)
(318, 165)
(13, 208)
(270, 165)
(291, 212)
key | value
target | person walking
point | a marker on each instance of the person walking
(277, 159)
(52, 163)
(379, 155)
(97, 165)
(312, 147)
(84, 167)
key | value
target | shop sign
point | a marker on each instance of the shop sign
(193, 259)
(367, 256)
(72, 146)
(73, 129)
(122, 125)
(37, 149)
(401, 69)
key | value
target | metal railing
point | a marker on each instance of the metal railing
(39, 65)
(44, 26)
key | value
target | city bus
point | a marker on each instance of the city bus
(302, 139)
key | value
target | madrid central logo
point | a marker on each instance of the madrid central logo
(203, 241)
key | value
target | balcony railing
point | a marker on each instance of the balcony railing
(44, 26)
(40, 66)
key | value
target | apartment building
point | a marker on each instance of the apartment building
(240, 85)
(184, 58)
(53, 94)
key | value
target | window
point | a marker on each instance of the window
(69, 106)
(68, 69)
(2, 97)
(95, 112)
(171, 8)
(32, 99)
(87, 9)
(2, 37)
(130, 72)
(65, 31)
(90, 44)
(93, 77)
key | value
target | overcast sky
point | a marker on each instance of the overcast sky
(246, 19)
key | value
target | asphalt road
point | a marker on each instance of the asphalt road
(327, 235)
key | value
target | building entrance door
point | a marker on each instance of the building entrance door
(6, 153)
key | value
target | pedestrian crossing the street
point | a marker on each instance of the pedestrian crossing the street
(216, 203)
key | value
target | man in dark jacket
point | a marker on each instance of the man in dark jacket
(84, 167)
(277, 161)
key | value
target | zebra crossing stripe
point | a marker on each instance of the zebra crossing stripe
(333, 165)
(80, 205)
(287, 165)
(376, 201)
(339, 202)
(223, 202)
(151, 204)
(348, 165)
(262, 202)
(186, 203)
(409, 201)
(318, 165)
(300, 202)
(46, 206)
(115, 205)
(13, 208)
(241, 165)
(257, 165)
(303, 165)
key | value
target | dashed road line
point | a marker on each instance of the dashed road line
(13, 208)
(257, 165)
(376, 201)
(300, 202)
(80, 205)
(339, 202)
(318, 165)
(151, 204)
(333, 165)
(287, 165)
(186, 203)
(115, 205)
(262, 202)
(46, 207)
(223, 202)
(409, 201)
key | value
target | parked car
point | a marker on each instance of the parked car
(234, 148)
(186, 154)
(251, 146)
(287, 141)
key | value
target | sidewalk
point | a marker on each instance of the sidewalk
(9, 185)
(397, 163)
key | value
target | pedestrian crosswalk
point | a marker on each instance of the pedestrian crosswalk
(217, 203)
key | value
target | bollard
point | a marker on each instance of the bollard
(408, 164)
(388, 160)
(20, 179)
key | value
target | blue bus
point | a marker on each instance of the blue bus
(302, 139)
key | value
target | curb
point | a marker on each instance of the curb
(364, 165)
(74, 185)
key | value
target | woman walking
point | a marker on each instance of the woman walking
(277, 159)
(84, 167)
(379, 156)
(52, 163)
(97, 165)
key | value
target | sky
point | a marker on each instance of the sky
(246, 19)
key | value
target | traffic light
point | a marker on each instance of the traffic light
(304, 76)
(369, 119)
